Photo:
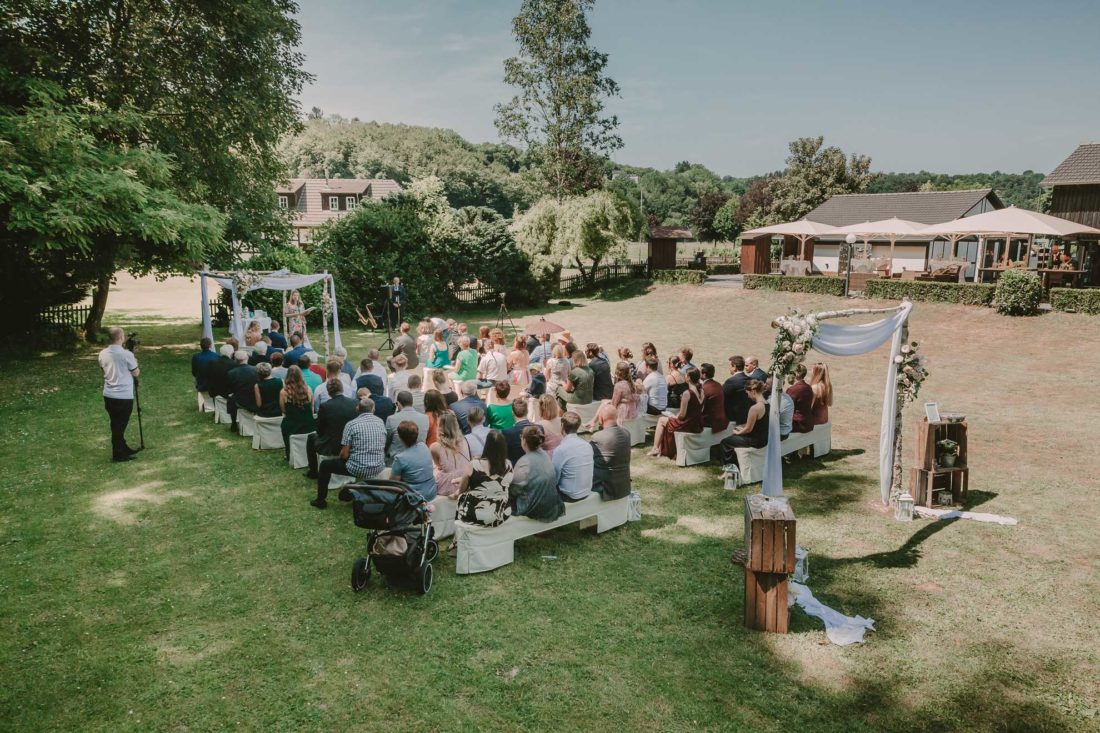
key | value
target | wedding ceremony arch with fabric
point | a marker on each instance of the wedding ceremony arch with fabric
(241, 282)
(800, 333)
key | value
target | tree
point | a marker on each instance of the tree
(727, 222)
(214, 83)
(704, 213)
(558, 112)
(814, 174)
(756, 203)
(585, 230)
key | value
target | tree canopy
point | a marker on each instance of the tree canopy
(814, 174)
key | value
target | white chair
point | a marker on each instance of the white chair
(206, 402)
(221, 411)
(269, 433)
(298, 456)
(246, 423)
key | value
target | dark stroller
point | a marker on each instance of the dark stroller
(401, 543)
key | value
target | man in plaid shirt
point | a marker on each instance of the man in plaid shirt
(362, 451)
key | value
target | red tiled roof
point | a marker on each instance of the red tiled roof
(308, 211)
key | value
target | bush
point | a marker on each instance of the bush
(820, 284)
(1018, 293)
(930, 292)
(731, 269)
(679, 277)
(1074, 299)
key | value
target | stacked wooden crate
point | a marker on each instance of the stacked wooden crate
(768, 559)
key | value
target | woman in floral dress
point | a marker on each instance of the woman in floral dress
(295, 314)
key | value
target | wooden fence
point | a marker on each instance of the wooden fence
(59, 325)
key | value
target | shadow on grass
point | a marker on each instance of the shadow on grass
(623, 291)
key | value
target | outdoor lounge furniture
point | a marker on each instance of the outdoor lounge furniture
(859, 280)
(949, 274)
(298, 456)
(693, 448)
(487, 548)
(269, 433)
(221, 411)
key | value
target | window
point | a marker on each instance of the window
(352, 202)
(334, 203)
(284, 202)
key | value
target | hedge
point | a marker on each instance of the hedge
(1074, 299)
(730, 269)
(932, 292)
(678, 277)
(821, 284)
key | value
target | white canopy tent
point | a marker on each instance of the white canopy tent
(891, 229)
(247, 281)
(803, 230)
(1011, 220)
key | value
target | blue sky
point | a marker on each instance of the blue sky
(953, 87)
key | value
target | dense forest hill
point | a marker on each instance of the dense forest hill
(498, 176)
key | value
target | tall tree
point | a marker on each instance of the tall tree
(558, 111)
(214, 84)
(814, 174)
(704, 214)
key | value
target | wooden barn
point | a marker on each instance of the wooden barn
(662, 246)
(1076, 196)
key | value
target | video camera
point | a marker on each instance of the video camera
(131, 341)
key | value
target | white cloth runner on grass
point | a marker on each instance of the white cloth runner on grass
(955, 514)
(842, 630)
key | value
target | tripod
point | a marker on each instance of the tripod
(503, 314)
(388, 343)
(137, 404)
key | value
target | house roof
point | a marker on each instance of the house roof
(308, 211)
(926, 207)
(1081, 168)
(290, 188)
(669, 233)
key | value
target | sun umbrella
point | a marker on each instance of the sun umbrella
(1011, 221)
(803, 230)
(892, 229)
(542, 326)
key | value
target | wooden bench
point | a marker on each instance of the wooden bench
(268, 433)
(487, 548)
(693, 448)
(221, 411)
(752, 461)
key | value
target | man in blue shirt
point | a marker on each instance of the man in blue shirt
(513, 436)
(573, 461)
(200, 361)
(297, 351)
(469, 401)
(278, 341)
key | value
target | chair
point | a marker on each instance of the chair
(298, 455)
(206, 402)
(221, 411)
(246, 423)
(338, 479)
(269, 433)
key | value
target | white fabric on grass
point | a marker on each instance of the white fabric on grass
(840, 629)
(955, 514)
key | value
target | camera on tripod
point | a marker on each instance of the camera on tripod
(131, 341)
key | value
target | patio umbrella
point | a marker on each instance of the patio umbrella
(542, 326)
(1012, 220)
(892, 229)
(803, 229)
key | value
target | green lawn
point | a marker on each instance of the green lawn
(195, 589)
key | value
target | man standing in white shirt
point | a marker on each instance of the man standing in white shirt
(120, 368)
(573, 461)
(492, 368)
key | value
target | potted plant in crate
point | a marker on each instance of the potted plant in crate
(947, 451)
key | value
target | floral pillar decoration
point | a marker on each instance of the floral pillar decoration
(912, 372)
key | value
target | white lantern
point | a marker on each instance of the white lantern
(903, 511)
(731, 477)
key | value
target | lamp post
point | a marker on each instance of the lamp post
(850, 241)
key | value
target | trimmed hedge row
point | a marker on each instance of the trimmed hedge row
(1075, 299)
(731, 269)
(679, 277)
(822, 284)
(932, 292)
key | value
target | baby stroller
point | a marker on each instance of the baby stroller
(401, 542)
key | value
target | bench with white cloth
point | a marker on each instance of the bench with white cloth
(221, 411)
(693, 448)
(443, 516)
(299, 458)
(269, 433)
(206, 402)
(246, 422)
(487, 548)
(751, 461)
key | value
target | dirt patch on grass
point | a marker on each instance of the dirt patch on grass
(120, 506)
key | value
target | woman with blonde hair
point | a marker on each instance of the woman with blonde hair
(624, 397)
(822, 387)
(451, 457)
(497, 338)
(424, 342)
(557, 369)
(295, 314)
(296, 403)
(253, 335)
(484, 343)
(518, 361)
(441, 382)
(550, 421)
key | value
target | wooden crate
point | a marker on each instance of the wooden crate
(766, 601)
(927, 436)
(769, 534)
(924, 483)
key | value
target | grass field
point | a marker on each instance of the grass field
(195, 589)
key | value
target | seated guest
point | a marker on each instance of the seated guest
(296, 404)
(534, 489)
(556, 369)
(441, 383)
(753, 370)
(624, 398)
(405, 413)
(259, 354)
(479, 431)
(754, 433)
(485, 499)
(362, 452)
(688, 420)
(822, 387)
(439, 355)
(469, 401)
(415, 382)
(253, 334)
(267, 391)
(450, 456)
(399, 380)
(297, 351)
(550, 422)
(367, 378)
(512, 433)
(346, 366)
(492, 368)
(313, 379)
(384, 407)
(499, 409)
(573, 461)
(519, 362)
(217, 372)
(677, 382)
(465, 361)
(714, 402)
(200, 361)
(413, 464)
(650, 351)
(625, 354)
(333, 414)
(334, 370)
(543, 349)
(377, 368)
(405, 345)
(655, 386)
(686, 355)
(315, 365)
(611, 456)
(803, 398)
(733, 391)
(435, 407)
(602, 383)
(536, 386)
(786, 409)
(277, 368)
(276, 337)
(577, 389)
(242, 378)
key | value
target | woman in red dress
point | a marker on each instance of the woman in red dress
(689, 420)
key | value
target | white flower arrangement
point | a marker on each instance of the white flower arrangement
(912, 371)
(792, 342)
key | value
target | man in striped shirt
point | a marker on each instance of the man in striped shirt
(362, 451)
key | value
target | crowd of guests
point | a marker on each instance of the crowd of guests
(492, 424)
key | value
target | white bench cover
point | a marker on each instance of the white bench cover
(206, 402)
(298, 456)
(246, 423)
(221, 411)
(693, 448)
(752, 460)
(443, 516)
(269, 433)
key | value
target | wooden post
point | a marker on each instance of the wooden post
(769, 559)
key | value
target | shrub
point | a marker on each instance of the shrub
(821, 284)
(1074, 299)
(1018, 293)
(731, 269)
(930, 292)
(677, 277)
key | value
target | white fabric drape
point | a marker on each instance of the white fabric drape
(838, 340)
(207, 326)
